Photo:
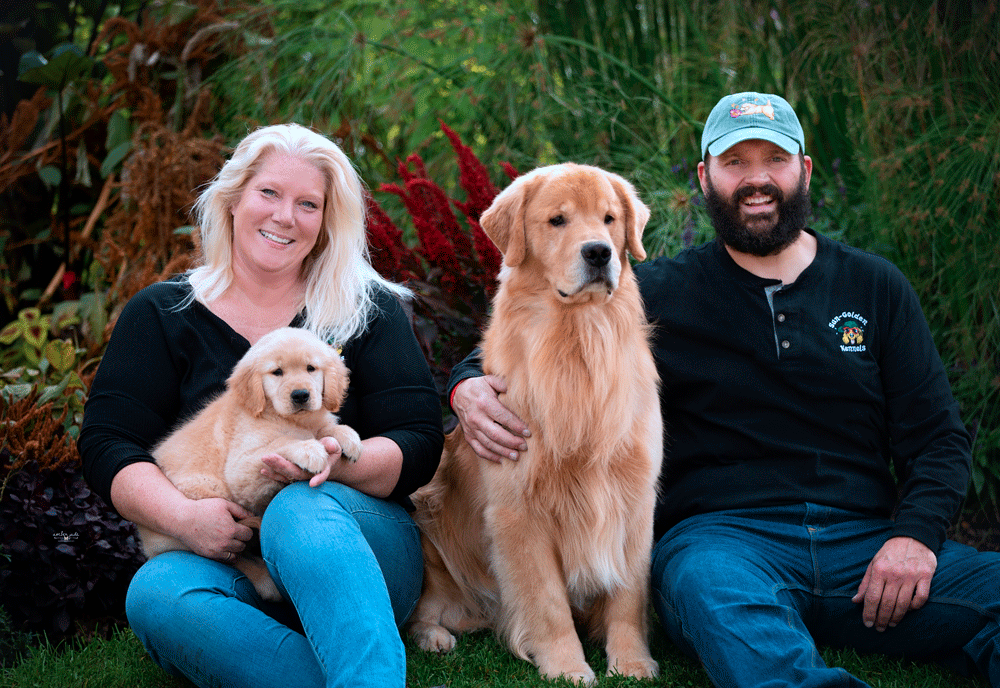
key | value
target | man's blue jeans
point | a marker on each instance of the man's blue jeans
(751, 592)
(350, 566)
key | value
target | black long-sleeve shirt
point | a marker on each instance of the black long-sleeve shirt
(829, 390)
(163, 365)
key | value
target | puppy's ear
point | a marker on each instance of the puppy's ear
(335, 381)
(247, 384)
(504, 221)
(636, 215)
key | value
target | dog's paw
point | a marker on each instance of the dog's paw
(583, 676)
(432, 638)
(309, 455)
(350, 443)
(638, 667)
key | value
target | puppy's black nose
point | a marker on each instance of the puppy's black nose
(300, 396)
(596, 253)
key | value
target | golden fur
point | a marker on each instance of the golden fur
(565, 531)
(280, 399)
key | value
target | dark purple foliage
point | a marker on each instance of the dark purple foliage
(65, 556)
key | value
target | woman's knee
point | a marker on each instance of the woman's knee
(168, 588)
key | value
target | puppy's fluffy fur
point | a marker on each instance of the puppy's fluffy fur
(280, 399)
(565, 531)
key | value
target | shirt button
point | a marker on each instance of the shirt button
(781, 317)
(785, 344)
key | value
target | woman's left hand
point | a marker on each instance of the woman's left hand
(277, 467)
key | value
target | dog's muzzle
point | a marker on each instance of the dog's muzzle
(299, 397)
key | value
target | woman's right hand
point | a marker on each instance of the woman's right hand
(142, 494)
(490, 428)
(210, 527)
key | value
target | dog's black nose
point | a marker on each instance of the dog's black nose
(596, 253)
(300, 396)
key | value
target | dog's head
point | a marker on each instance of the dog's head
(572, 222)
(290, 370)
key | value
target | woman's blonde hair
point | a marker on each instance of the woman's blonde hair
(340, 281)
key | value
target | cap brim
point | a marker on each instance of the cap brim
(724, 143)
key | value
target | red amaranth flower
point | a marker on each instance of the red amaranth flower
(480, 190)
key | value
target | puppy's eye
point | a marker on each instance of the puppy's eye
(277, 372)
(608, 219)
(557, 221)
(311, 368)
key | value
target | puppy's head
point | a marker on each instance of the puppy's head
(290, 370)
(573, 223)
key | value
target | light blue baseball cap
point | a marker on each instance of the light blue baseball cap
(750, 115)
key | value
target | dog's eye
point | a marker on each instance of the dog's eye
(311, 368)
(608, 219)
(557, 221)
(277, 372)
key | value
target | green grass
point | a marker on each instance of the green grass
(478, 661)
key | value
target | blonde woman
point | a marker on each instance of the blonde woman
(283, 241)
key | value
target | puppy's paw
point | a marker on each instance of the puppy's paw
(432, 638)
(309, 455)
(350, 442)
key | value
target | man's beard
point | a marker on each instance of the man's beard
(733, 231)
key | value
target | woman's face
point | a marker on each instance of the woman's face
(279, 215)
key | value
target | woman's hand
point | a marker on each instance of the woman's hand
(209, 527)
(277, 467)
(375, 472)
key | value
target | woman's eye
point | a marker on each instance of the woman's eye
(557, 221)
(310, 205)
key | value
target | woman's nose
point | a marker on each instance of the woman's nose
(283, 213)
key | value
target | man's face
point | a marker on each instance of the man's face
(757, 196)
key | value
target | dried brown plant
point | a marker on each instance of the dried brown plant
(34, 433)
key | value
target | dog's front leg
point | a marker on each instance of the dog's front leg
(535, 616)
(625, 624)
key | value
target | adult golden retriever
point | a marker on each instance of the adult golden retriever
(564, 532)
(280, 399)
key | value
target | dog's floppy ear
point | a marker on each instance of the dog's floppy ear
(503, 221)
(335, 380)
(636, 215)
(248, 386)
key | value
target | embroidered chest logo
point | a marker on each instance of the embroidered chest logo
(850, 329)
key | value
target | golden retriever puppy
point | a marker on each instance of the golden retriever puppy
(280, 399)
(565, 532)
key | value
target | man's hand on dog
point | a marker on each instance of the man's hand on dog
(898, 579)
(277, 467)
(490, 428)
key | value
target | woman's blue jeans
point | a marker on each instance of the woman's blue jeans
(751, 592)
(351, 568)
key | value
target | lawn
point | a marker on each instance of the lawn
(121, 662)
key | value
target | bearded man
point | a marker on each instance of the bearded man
(807, 483)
